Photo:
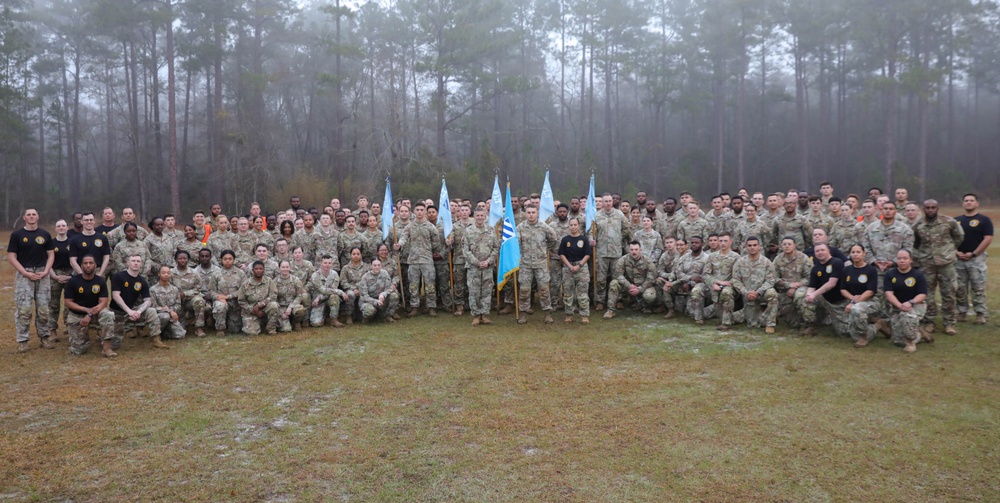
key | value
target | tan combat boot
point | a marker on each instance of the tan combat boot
(521, 320)
(475, 321)
(911, 346)
(485, 321)
(45, 343)
(158, 343)
(106, 349)
(459, 310)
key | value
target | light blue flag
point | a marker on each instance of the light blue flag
(444, 211)
(388, 210)
(548, 202)
(496, 203)
(591, 210)
(510, 247)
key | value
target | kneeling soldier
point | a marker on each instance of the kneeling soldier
(377, 294)
(86, 299)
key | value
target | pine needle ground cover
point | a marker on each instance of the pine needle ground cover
(632, 409)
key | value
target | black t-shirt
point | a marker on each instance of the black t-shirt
(104, 230)
(71, 233)
(905, 286)
(32, 247)
(834, 252)
(131, 288)
(574, 248)
(821, 273)
(976, 228)
(95, 244)
(858, 280)
(62, 254)
(85, 293)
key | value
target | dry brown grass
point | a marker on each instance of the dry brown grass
(632, 409)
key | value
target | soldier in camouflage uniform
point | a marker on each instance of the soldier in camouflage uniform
(693, 225)
(86, 298)
(719, 218)
(574, 254)
(650, 240)
(258, 299)
(378, 295)
(460, 294)
(118, 233)
(686, 275)
(130, 245)
(290, 293)
(224, 290)
(324, 290)
(350, 238)
(753, 279)
(442, 269)
(818, 218)
(262, 254)
(669, 219)
(263, 236)
(301, 268)
(189, 282)
(612, 232)
(883, 239)
(31, 252)
(480, 249)
(560, 225)
(328, 241)
(536, 239)
(790, 223)
(906, 294)
(166, 300)
(843, 232)
(718, 275)
(937, 238)
(350, 278)
(131, 305)
(307, 238)
(752, 225)
(420, 237)
(191, 243)
(635, 275)
(792, 282)
(160, 247)
(373, 238)
(244, 244)
(220, 239)
(971, 265)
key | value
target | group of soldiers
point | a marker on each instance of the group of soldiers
(854, 263)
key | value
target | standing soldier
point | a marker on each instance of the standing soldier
(59, 274)
(719, 218)
(480, 249)
(89, 242)
(649, 239)
(753, 279)
(221, 237)
(693, 225)
(159, 246)
(906, 293)
(752, 225)
(536, 239)
(31, 252)
(574, 253)
(258, 299)
(244, 243)
(843, 232)
(117, 234)
(818, 218)
(883, 239)
(937, 238)
(456, 241)
(129, 245)
(308, 238)
(791, 223)
(442, 267)
(421, 238)
(971, 265)
(635, 275)
(669, 219)
(378, 297)
(560, 225)
(611, 234)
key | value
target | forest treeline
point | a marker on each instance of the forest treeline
(166, 105)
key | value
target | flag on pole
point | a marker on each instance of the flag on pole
(510, 247)
(548, 202)
(444, 211)
(388, 210)
(496, 203)
(591, 210)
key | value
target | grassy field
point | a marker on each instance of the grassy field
(634, 409)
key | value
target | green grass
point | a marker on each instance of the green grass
(633, 409)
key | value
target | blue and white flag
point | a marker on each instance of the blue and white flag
(510, 247)
(496, 203)
(548, 202)
(444, 211)
(591, 210)
(388, 210)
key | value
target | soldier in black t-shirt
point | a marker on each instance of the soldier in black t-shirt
(574, 252)
(823, 280)
(971, 264)
(131, 304)
(89, 242)
(30, 252)
(86, 297)
(906, 292)
(858, 284)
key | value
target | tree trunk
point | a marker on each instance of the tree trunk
(801, 119)
(175, 186)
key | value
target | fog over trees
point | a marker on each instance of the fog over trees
(167, 105)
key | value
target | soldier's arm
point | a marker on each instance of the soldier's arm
(650, 278)
(769, 277)
(620, 272)
(957, 233)
(737, 280)
(908, 239)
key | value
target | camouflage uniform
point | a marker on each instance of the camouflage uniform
(460, 293)
(192, 247)
(794, 310)
(303, 270)
(161, 253)
(264, 238)
(821, 221)
(971, 275)
(350, 278)
(254, 292)
(79, 338)
(651, 243)
(218, 242)
(667, 225)
(419, 239)
(747, 229)
(165, 299)
(480, 244)
(117, 235)
(688, 229)
(372, 239)
(561, 230)
(612, 234)
(536, 240)
(371, 287)
(442, 271)
(122, 323)
(309, 242)
(718, 268)
(685, 268)
(906, 325)
(718, 223)
(270, 268)
(243, 245)
(327, 289)
(576, 285)
(189, 283)
(27, 292)
(227, 313)
(795, 227)
(55, 300)
(346, 241)
(206, 277)
(289, 293)
(843, 233)
(757, 276)
(327, 243)
(639, 272)
(882, 242)
(123, 250)
(938, 241)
